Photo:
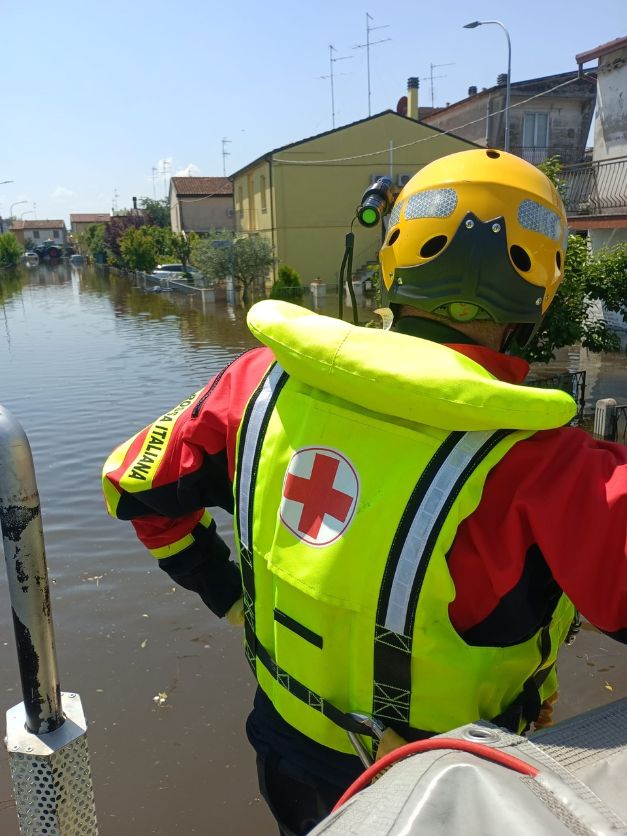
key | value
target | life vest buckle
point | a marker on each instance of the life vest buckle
(371, 728)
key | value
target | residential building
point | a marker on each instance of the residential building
(302, 196)
(596, 191)
(201, 204)
(548, 115)
(80, 222)
(36, 232)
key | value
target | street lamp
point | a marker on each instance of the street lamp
(17, 203)
(474, 25)
(28, 212)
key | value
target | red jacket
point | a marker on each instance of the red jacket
(553, 514)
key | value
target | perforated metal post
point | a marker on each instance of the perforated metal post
(46, 733)
(605, 419)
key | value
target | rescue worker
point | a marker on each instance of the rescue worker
(415, 527)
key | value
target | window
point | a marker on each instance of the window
(55, 233)
(264, 202)
(35, 233)
(536, 130)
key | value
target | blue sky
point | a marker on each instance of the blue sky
(96, 95)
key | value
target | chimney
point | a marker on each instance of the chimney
(472, 91)
(501, 79)
(413, 84)
(135, 204)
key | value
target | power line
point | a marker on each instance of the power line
(434, 136)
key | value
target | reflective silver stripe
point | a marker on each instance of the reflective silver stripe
(255, 422)
(424, 520)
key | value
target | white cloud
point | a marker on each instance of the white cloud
(191, 170)
(61, 193)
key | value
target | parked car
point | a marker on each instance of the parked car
(30, 259)
(178, 273)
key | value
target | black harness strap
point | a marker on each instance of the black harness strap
(405, 572)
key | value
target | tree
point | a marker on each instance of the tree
(10, 250)
(114, 231)
(247, 259)
(182, 246)
(91, 242)
(138, 249)
(587, 278)
(157, 212)
(288, 284)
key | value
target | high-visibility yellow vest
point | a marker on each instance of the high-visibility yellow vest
(359, 455)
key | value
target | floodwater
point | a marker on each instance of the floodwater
(86, 359)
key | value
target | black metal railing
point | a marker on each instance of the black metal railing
(572, 382)
(595, 188)
(620, 423)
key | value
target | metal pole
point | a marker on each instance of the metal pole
(508, 86)
(46, 737)
(22, 535)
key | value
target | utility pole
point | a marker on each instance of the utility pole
(431, 76)
(367, 46)
(225, 154)
(114, 202)
(154, 176)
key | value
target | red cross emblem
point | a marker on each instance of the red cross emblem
(320, 493)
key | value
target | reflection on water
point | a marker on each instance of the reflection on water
(87, 358)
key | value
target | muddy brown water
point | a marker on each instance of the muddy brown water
(86, 358)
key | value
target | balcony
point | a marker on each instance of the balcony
(596, 188)
(539, 153)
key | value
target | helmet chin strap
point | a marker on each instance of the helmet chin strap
(518, 335)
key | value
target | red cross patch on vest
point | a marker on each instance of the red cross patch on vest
(320, 493)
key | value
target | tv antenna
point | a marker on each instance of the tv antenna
(165, 167)
(431, 76)
(332, 61)
(225, 154)
(367, 46)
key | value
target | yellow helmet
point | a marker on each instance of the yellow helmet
(476, 235)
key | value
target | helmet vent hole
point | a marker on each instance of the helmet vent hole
(433, 246)
(558, 260)
(494, 155)
(520, 258)
(393, 237)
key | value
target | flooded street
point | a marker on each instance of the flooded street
(86, 359)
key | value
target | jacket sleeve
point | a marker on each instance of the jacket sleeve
(564, 493)
(166, 476)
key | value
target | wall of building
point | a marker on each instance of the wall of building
(57, 235)
(568, 109)
(473, 119)
(201, 214)
(610, 130)
(310, 207)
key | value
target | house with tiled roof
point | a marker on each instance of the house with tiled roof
(301, 197)
(548, 115)
(201, 204)
(36, 232)
(82, 221)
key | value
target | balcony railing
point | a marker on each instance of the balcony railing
(538, 153)
(596, 188)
